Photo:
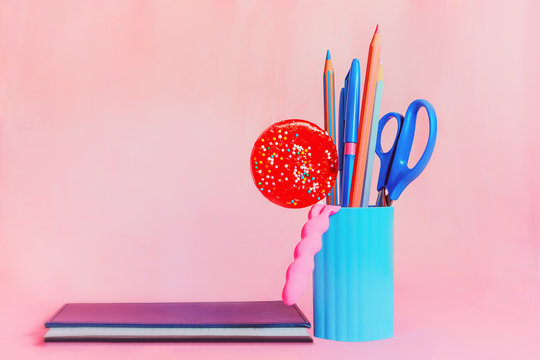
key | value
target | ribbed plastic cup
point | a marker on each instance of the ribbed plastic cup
(353, 279)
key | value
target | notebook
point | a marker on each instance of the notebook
(180, 321)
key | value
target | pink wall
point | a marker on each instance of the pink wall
(126, 129)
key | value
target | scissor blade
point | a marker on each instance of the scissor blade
(380, 198)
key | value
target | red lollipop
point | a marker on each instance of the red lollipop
(294, 163)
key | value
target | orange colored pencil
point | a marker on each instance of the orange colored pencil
(364, 126)
(330, 115)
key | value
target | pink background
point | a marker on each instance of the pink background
(126, 129)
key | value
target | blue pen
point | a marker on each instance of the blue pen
(341, 126)
(352, 115)
(342, 102)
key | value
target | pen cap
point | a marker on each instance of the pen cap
(352, 103)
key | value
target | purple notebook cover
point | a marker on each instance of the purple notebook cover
(184, 314)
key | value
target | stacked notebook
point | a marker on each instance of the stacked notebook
(188, 321)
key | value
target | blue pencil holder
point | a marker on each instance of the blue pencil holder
(353, 279)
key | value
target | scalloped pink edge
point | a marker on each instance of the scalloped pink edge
(304, 254)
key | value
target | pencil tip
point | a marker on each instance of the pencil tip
(377, 29)
(328, 55)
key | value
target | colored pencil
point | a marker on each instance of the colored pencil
(364, 130)
(373, 138)
(330, 115)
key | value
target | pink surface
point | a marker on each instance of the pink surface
(299, 272)
(125, 134)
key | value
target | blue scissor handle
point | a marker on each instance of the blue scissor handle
(386, 157)
(341, 127)
(400, 175)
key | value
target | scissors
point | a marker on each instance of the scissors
(395, 174)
